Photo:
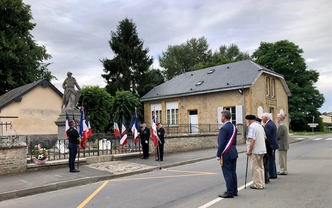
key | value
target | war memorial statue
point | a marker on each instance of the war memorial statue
(70, 95)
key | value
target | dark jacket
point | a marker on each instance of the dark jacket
(271, 127)
(145, 135)
(225, 133)
(73, 135)
(161, 134)
(268, 141)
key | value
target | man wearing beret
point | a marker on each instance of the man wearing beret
(256, 150)
(161, 141)
(74, 141)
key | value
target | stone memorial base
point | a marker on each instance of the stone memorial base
(61, 121)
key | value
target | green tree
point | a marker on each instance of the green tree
(131, 61)
(21, 59)
(152, 78)
(224, 55)
(124, 104)
(285, 57)
(99, 114)
(182, 58)
(229, 54)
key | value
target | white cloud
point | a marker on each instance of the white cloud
(76, 32)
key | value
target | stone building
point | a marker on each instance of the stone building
(30, 109)
(196, 99)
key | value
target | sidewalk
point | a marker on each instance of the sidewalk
(29, 183)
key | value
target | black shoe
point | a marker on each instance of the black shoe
(235, 194)
(253, 187)
(273, 177)
(226, 195)
(75, 171)
(267, 181)
(281, 173)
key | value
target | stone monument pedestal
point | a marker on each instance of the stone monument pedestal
(61, 121)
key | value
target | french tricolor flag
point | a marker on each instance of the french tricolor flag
(123, 136)
(66, 125)
(116, 129)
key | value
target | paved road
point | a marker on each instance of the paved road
(197, 185)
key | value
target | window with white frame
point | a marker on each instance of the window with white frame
(236, 112)
(172, 113)
(267, 86)
(273, 88)
(156, 112)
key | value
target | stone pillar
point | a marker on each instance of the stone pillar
(61, 121)
(13, 158)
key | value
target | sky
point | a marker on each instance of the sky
(76, 32)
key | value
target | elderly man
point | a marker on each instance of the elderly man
(282, 135)
(256, 150)
(272, 129)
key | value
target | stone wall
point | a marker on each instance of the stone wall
(13, 158)
(188, 142)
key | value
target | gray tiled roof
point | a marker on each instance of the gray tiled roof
(242, 74)
(17, 93)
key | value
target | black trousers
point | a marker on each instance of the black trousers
(145, 148)
(72, 155)
(160, 152)
(266, 167)
(229, 172)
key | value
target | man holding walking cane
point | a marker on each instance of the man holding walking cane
(256, 150)
(227, 154)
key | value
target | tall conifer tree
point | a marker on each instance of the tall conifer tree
(131, 61)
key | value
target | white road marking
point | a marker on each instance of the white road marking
(24, 181)
(300, 138)
(329, 139)
(318, 139)
(219, 199)
(58, 176)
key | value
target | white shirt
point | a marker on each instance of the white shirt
(256, 132)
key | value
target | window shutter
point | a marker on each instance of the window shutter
(238, 110)
(219, 116)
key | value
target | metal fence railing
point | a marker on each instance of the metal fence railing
(97, 144)
(105, 144)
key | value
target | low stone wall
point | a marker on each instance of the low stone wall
(13, 158)
(188, 142)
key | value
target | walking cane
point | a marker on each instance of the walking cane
(78, 159)
(245, 177)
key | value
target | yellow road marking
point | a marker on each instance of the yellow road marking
(92, 195)
(194, 173)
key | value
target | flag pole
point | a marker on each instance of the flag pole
(78, 159)
(158, 151)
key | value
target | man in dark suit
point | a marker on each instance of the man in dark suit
(272, 129)
(227, 154)
(145, 136)
(269, 149)
(161, 142)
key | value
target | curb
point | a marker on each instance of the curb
(89, 180)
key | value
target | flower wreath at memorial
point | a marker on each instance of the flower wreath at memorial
(39, 153)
